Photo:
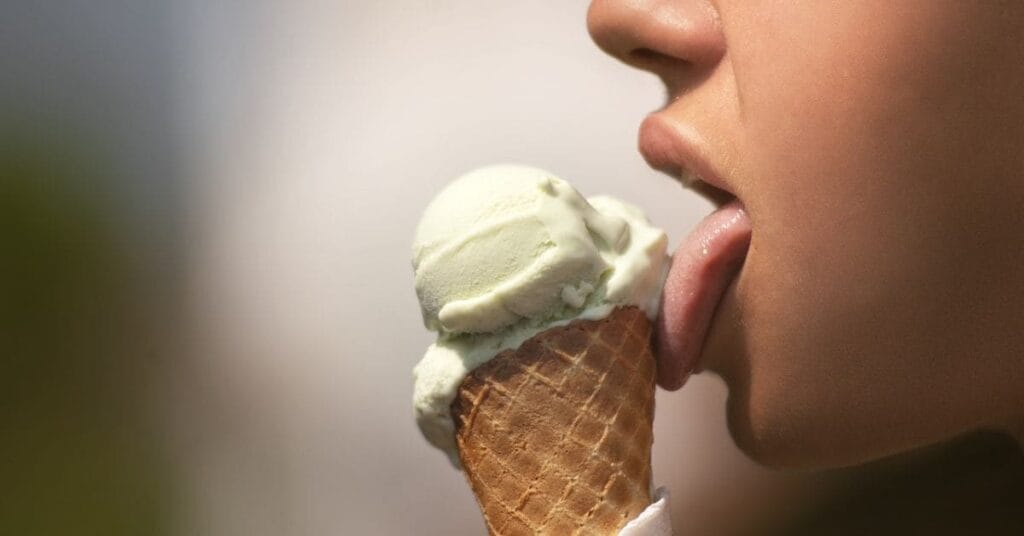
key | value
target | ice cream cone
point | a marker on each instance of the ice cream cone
(555, 436)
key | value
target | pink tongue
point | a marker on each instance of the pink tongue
(702, 268)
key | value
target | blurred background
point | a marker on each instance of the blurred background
(207, 209)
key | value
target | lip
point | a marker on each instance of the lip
(681, 152)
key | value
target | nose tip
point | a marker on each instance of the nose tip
(657, 35)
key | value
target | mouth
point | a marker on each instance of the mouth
(680, 152)
(706, 263)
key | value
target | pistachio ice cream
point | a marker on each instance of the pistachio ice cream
(506, 252)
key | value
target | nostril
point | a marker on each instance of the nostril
(647, 58)
(644, 54)
(658, 35)
(657, 62)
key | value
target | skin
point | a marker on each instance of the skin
(879, 150)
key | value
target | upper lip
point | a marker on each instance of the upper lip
(680, 151)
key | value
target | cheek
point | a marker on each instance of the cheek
(859, 143)
(832, 370)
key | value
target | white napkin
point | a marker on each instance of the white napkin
(653, 521)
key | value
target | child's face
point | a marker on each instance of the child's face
(878, 149)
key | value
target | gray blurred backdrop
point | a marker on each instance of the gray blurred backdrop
(211, 322)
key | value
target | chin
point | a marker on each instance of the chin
(792, 434)
(770, 446)
(778, 447)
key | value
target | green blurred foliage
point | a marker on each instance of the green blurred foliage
(78, 449)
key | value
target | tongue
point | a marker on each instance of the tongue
(702, 268)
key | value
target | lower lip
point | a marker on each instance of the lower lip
(703, 267)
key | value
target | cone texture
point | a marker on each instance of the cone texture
(555, 436)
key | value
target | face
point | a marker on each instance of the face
(878, 150)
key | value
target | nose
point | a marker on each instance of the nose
(678, 40)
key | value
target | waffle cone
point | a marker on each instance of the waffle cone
(555, 436)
